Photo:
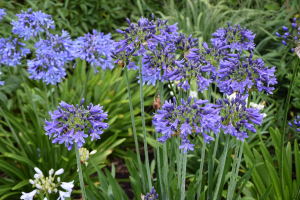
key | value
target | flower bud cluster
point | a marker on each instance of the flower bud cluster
(151, 195)
(187, 118)
(235, 117)
(84, 155)
(296, 124)
(290, 39)
(236, 74)
(48, 184)
(69, 124)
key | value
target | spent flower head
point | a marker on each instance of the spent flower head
(187, 118)
(84, 155)
(73, 124)
(30, 24)
(95, 48)
(48, 184)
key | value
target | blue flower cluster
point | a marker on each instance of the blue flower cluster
(235, 116)
(239, 75)
(70, 124)
(94, 48)
(187, 119)
(52, 56)
(12, 51)
(30, 24)
(2, 13)
(151, 195)
(288, 38)
(296, 124)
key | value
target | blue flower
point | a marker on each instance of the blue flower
(290, 37)
(70, 124)
(30, 24)
(1, 82)
(151, 195)
(186, 146)
(95, 48)
(2, 13)
(52, 56)
(189, 118)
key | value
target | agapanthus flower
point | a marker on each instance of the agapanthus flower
(72, 124)
(151, 195)
(143, 36)
(1, 82)
(48, 184)
(2, 13)
(241, 75)
(296, 124)
(52, 56)
(95, 48)
(236, 117)
(30, 24)
(291, 38)
(186, 72)
(235, 38)
(188, 118)
(12, 51)
(84, 154)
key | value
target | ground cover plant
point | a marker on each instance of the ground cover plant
(212, 94)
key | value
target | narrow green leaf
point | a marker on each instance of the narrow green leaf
(267, 192)
(21, 184)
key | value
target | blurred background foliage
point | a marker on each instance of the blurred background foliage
(198, 17)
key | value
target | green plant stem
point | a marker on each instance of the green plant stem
(158, 162)
(136, 143)
(46, 100)
(178, 162)
(165, 153)
(182, 189)
(22, 111)
(55, 95)
(85, 84)
(80, 173)
(233, 172)
(222, 165)
(215, 149)
(201, 169)
(286, 108)
(174, 93)
(144, 127)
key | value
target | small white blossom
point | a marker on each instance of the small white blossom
(59, 172)
(67, 186)
(171, 93)
(31, 182)
(62, 195)
(93, 152)
(193, 94)
(38, 170)
(28, 196)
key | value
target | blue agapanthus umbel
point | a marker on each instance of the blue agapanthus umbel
(296, 124)
(236, 117)
(240, 75)
(291, 38)
(12, 51)
(188, 118)
(75, 123)
(2, 13)
(235, 38)
(52, 56)
(30, 24)
(95, 48)
(138, 38)
(152, 195)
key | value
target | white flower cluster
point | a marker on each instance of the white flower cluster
(46, 185)
(85, 155)
(259, 106)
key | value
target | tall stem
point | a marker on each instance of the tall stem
(222, 164)
(80, 173)
(46, 99)
(136, 143)
(286, 108)
(201, 169)
(233, 172)
(144, 126)
(182, 189)
(86, 81)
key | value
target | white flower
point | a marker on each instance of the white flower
(38, 186)
(62, 195)
(59, 172)
(31, 182)
(193, 94)
(38, 170)
(67, 186)
(28, 196)
(257, 106)
(232, 96)
(93, 152)
(45, 198)
(264, 115)
(51, 171)
(58, 179)
(171, 93)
